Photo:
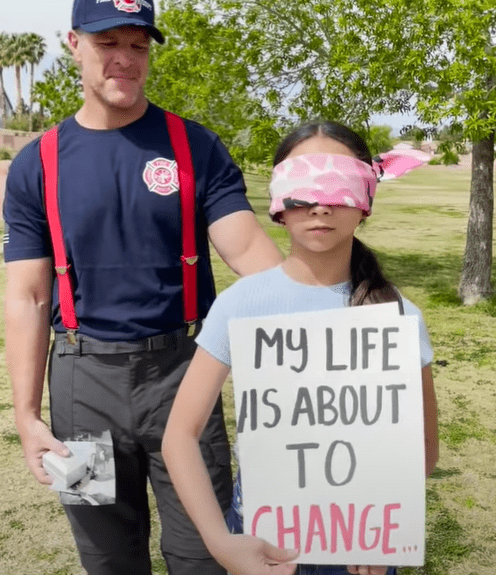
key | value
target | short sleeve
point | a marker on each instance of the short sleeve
(214, 335)
(426, 352)
(245, 299)
(225, 187)
(26, 229)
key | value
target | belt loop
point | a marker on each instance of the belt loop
(60, 347)
(175, 339)
(149, 344)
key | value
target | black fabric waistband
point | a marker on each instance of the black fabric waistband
(88, 345)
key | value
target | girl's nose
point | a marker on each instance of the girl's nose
(321, 210)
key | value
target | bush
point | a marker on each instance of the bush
(450, 158)
(21, 123)
(449, 152)
(6, 154)
(453, 135)
(435, 162)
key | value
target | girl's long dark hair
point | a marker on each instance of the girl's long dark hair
(368, 283)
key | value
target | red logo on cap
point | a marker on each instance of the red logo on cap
(128, 5)
(161, 176)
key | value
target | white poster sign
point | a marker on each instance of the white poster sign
(330, 430)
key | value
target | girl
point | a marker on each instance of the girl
(322, 188)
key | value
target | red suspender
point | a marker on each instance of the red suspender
(187, 187)
(50, 165)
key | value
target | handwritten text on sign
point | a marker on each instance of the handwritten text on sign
(330, 431)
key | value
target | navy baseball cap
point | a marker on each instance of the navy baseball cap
(99, 15)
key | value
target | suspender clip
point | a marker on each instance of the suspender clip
(190, 261)
(71, 336)
(61, 270)
(191, 328)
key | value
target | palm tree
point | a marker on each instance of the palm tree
(4, 63)
(19, 52)
(36, 52)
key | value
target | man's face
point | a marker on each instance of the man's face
(114, 65)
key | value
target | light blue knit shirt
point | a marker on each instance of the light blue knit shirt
(273, 292)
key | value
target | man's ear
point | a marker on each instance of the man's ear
(73, 41)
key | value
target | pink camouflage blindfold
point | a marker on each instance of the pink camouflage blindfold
(335, 180)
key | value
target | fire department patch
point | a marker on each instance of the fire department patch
(128, 5)
(161, 176)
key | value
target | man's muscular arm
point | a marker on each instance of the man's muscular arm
(27, 330)
(242, 243)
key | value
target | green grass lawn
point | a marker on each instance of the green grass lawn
(418, 231)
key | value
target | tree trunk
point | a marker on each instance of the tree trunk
(3, 103)
(475, 282)
(20, 103)
(31, 98)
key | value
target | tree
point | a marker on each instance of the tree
(60, 92)
(200, 73)
(346, 59)
(379, 139)
(312, 60)
(4, 63)
(414, 133)
(36, 52)
(449, 65)
(18, 54)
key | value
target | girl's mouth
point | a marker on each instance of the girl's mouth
(321, 229)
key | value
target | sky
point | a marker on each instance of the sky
(47, 17)
(44, 17)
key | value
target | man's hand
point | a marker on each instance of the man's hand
(36, 440)
(367, 570)
(246, 555)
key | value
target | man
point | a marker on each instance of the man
(122, 233)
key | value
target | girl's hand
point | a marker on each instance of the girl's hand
(367, 570)
(247, 555)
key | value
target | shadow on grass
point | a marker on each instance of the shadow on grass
(437, 274)
(446, 543)
(456, 432)
(441, 210)
(11, 438)
(433, 272)
(443, 473)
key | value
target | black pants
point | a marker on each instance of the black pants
(95, 386)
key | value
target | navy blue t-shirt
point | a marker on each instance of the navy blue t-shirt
(120, 215)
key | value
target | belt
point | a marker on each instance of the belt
(87, 345)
